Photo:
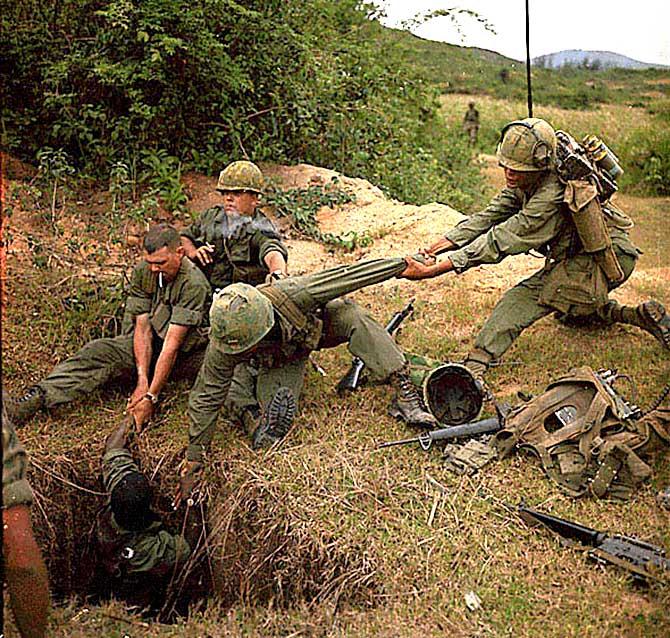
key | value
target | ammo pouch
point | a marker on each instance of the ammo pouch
(307, 327)
(584, 445)
(581, 197)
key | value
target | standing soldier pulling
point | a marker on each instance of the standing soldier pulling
(168, 301)
(537, 211)
(236, 242)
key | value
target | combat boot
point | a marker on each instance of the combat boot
(478, 362)
(656, 321)
(21, 409)
(276, 420)
(408, 405)
(650, 316)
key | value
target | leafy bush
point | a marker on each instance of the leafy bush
(649, 160)
(114, 81)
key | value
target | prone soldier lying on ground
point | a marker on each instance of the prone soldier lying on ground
(571, 220)
(137, 556)
(168, 302)
(275, 327)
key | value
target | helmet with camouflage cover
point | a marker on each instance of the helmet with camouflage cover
(240, 317)
(527, 145)
(241, 176)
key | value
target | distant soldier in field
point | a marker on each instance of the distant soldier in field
(535, 212)
(278, 325)
(168, 302)
(137, 555)
(23, 566)
(471, 123)
(235, 242)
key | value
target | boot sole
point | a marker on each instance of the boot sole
(276, 420)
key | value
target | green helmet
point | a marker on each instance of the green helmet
(241, 176)
(527, 145)
(240, 317)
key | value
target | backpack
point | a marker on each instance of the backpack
(588, 439)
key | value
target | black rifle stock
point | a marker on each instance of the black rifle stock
(643, 560)
(352, 379)
(426, 439)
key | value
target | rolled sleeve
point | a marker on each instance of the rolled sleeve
(186, 316)
(141, 291)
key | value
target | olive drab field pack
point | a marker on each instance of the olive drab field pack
(589, 440)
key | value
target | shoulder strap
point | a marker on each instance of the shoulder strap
(285, 306)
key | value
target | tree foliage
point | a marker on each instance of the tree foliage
(207, 81)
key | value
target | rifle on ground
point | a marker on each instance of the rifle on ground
(426, 439)
(352, 379)
(643, 560)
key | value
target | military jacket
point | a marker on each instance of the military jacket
(152, 551)
(184, 301)
(15, 488)
(515, 222)
(240, 245)
(298, 303)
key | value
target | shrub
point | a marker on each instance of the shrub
(116, 81)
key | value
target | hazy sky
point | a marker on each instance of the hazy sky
(636, 28)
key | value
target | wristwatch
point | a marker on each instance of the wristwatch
(151, 397)
(277, 274)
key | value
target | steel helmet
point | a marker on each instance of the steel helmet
(241, 176)
(240, 317)
(452, 394)
(527, 145)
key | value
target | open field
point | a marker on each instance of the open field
(326, 536)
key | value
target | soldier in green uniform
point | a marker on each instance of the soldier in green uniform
(24, 569)
(278, 325)
(137, 555)
(236, 242)
(532, 213)
(168, 300)
(471, 123)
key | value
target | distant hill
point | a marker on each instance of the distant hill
(593, 60)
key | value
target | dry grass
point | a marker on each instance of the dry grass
(326, 536)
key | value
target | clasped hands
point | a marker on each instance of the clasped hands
(139, 406)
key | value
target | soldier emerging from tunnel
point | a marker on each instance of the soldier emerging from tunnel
(539, 210)
(137, 557)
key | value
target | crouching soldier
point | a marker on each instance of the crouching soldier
(276, 326)
(137, 556)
